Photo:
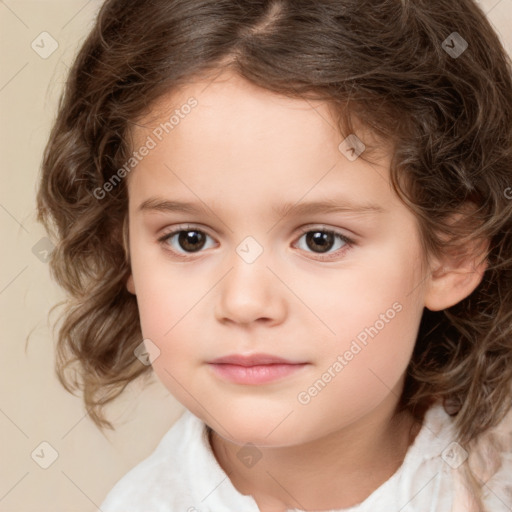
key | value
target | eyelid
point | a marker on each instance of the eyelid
(320, 227)
(184, 227)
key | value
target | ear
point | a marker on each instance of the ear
(456, 274)
(130, 285)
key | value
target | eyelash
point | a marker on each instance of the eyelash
(167, 236)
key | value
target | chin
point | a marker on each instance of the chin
(259, 427)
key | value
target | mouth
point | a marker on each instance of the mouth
(254, 369)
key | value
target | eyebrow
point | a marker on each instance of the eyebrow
(301, 208)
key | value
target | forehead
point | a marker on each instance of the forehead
(245, 112)
(248, 142)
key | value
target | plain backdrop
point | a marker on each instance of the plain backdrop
(40, 423)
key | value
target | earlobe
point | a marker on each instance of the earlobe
(130, 285)
(455, 278)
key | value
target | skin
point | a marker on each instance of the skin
(240, 151)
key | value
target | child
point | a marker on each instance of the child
(341, 335)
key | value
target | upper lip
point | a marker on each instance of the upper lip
(252, 360)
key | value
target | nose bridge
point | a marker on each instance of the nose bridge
(248, 279)
(248, 292)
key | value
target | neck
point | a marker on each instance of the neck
(336, 471)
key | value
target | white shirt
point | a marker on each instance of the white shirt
(183, 475)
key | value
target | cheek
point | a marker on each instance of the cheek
(166, 292)
(379, 295)
(361, 370)
(168, 304)
(375, 313)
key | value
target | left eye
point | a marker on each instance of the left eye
(321, 241)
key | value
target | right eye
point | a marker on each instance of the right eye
(187, 238)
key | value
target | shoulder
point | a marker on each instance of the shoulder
(182, 474)
(433, 473)
(484, 464)
(490, 460)
(159, 478)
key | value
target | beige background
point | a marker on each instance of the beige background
(34, 408)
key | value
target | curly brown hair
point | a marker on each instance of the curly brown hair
(401, 67)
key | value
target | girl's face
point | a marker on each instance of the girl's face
(289, 246)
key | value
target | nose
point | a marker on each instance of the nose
(249, 293)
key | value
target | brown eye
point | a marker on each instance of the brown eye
(320, 241)
(191, 241)
(184, 241)
(324, 241)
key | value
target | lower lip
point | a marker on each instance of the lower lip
(258, 374)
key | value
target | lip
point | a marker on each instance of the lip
(253, 360)
(254, 369)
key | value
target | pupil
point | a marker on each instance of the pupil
(188, 239)
(320, 239)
